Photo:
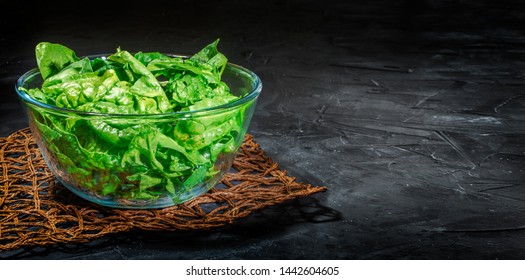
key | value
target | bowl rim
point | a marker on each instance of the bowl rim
(257, 87)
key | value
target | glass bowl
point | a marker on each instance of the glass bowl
(142, 161)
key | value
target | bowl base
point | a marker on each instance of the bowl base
(122, 203)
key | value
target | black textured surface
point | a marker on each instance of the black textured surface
(410, 112)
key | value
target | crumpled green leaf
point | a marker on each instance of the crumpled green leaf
(52, 58)
(150, 96)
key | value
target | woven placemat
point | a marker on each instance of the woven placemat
(36, 210)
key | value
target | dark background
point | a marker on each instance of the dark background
(410, 112)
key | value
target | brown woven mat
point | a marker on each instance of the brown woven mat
(37, 210)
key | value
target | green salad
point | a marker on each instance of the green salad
(135, 157)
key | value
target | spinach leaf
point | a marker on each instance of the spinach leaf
(150, 96)
(51, 58)
(146, 58)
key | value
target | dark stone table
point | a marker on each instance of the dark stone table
(410, 112)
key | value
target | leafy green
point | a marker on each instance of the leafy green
(136, 157)
(51, 58)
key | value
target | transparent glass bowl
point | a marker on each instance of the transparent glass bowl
(113, 174)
